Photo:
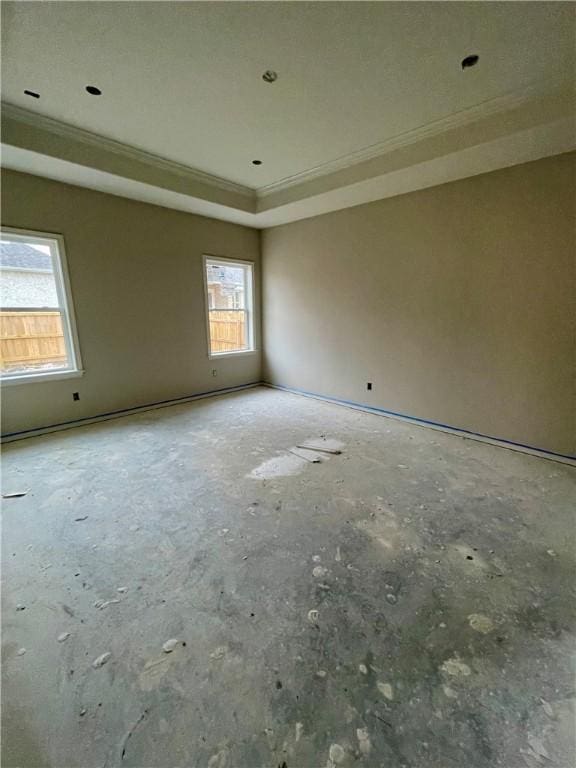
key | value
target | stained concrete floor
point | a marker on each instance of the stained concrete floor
(441, 571)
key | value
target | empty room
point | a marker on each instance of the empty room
(288, 380)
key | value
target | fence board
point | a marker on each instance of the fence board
(227, 330)
(31, 340)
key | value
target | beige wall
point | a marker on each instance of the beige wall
(137, 284)
(457, 302)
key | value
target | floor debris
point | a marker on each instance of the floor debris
(391, 598)
(456, 668)
(101, 660)
(169, 645)
(63, 637)
(313, 616)
(386, 690)
(333, 451)
(538, 747)
(219, 760)
(79, 519)
(21, 651)
(481, 623)
(336, 754)
(14, 494)
(312, 458)
(363, 740)
(101, 604)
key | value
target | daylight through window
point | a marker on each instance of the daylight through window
(36, 337)
(230, 306)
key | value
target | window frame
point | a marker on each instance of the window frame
(227, 261)
(65, 306)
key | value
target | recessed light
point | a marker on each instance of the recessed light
(33, 94)
(270, 76)
(256, 162)
(93, 91)
(470, 61)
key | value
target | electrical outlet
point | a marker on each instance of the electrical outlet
(214, 372)
(369, 385)
(75, 395)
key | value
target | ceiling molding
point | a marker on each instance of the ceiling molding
(64, 130)
(462, 119)
(535, 143)
(496, 106)
(514, 129)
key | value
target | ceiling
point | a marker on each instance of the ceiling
(182, 88)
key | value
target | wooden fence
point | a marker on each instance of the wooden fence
(227, 329)
(31, 340)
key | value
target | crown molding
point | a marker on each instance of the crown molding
(509, 130)
(463, 118)
(534, 143)
(64, 130)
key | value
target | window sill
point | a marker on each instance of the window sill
(240, 353)
(31, 378)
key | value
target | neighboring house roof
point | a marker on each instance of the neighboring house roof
(23, 256)
(229, 277)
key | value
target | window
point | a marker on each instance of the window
(37, 332)
(229, 303)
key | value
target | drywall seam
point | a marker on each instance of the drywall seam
(498, 442)
(36, 431)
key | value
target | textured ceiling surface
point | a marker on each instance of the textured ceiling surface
(183, 80)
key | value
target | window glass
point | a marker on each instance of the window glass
(229, 292)
(35, 333)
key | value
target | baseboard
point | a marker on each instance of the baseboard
(11, 436)
(447, 428)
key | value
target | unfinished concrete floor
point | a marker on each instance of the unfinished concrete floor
(407, 603)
